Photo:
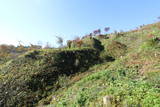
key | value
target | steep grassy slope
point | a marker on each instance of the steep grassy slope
(131, 80)
(143, 51)
(32, 76)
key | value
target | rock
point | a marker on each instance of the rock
(54, 98)
(1, 103)
(76, 62)
(107, 101)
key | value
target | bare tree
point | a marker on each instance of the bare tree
(47, 46)
(59, 41)
(20, 43)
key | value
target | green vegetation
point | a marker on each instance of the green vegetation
(33, 75)
(150, 44)
(8, 52)
(116, 49)
(125, 86)
(89, 42)
(93, 43)
(124, 66)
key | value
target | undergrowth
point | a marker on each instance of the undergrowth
(125, 86)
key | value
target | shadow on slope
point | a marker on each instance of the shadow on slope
(31, 77)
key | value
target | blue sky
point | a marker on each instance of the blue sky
(31, 21)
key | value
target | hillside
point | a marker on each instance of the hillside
(31, 76)
(123, 67)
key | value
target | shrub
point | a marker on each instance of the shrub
(59, 41)
(153, 43)
(93, 43)
(74, 44)
(69, 42)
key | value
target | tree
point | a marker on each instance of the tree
(106, 29)
(35, 47)
(97, 32)
(79, 43)
(47, 46)
(158, 18)
(59, 41)
(69, 42)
